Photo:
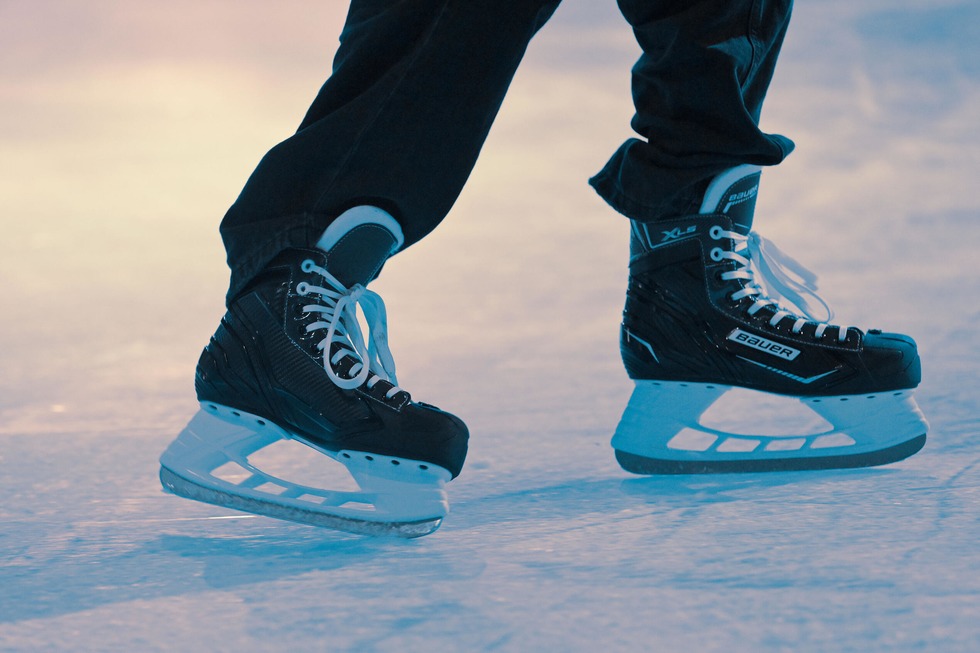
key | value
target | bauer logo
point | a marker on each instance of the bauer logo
(738, 198)
(761, 344)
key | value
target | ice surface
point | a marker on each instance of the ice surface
(125, 131)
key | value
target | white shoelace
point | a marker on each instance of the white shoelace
(770, 275)
(339, 317)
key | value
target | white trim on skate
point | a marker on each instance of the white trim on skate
(662, 423)
(632, 336)
(721, 184)
(397, 496)
(356, 217)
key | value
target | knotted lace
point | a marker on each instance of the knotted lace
(770, 275)
(337, 307)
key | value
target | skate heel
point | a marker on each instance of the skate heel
(660, 432)
(209, 462)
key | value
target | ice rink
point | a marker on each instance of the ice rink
(126, 129)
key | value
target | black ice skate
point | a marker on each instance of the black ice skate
(701, 318)
(289, 361)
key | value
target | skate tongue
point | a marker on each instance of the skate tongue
(733, 193)
(358, 242)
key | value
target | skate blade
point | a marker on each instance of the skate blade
(661, 433)
(210, 462)
(295, 513)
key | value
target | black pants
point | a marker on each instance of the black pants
(416, 85)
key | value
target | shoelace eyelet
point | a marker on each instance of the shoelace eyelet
(338, 318)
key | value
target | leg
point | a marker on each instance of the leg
(399, 124)
(698, 89)
(376, 164)
(703, 308)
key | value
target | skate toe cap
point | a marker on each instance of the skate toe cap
(893, 359)
(440, 437)
(418, 432)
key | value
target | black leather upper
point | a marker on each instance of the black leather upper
(680, 324)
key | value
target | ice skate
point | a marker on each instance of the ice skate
(289, 361)
(709, 308)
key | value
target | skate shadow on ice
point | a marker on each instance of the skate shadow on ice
(589, 498)
(124, 564)
(745, 486)
(279, 552)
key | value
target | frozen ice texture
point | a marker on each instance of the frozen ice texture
(120, 148)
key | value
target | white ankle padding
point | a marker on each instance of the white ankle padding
(720, 184)
(355, 217)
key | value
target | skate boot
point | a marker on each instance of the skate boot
(289, 361)
(709, 308)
